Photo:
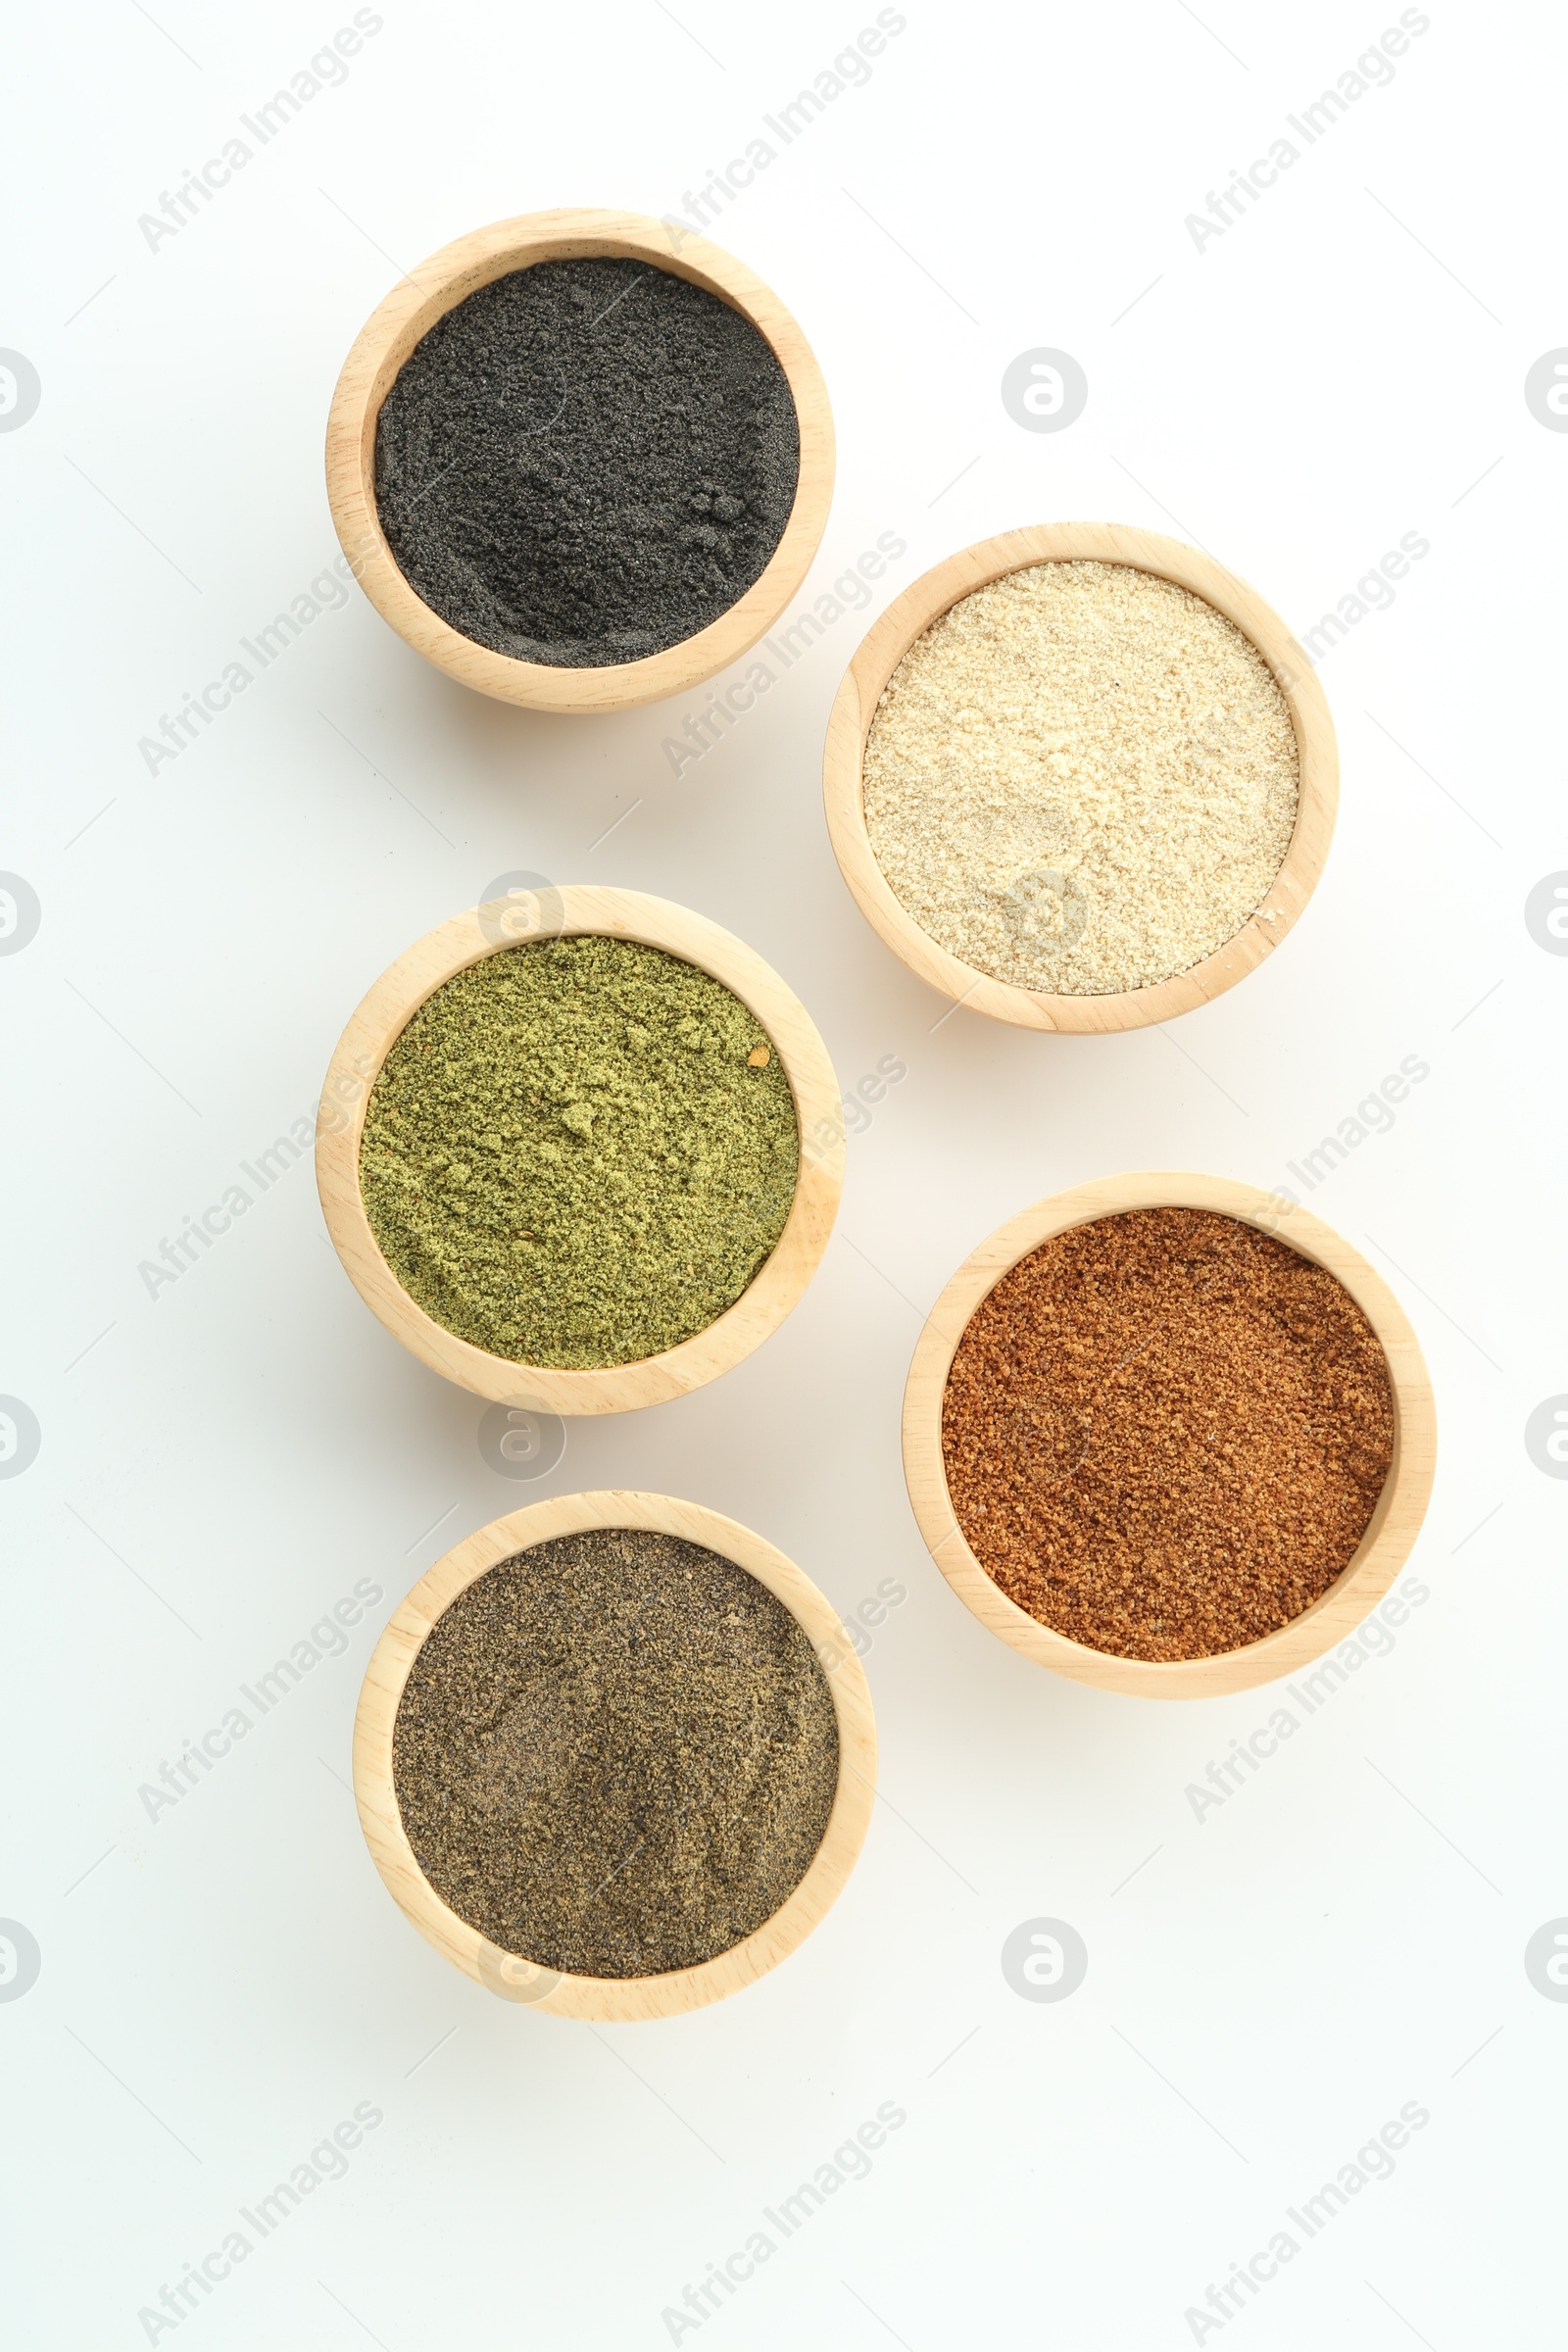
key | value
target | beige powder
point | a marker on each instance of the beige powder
(1081, 779)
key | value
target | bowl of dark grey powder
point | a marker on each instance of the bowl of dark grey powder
(1169, 1435)
(1080, 778)
(580, 460)
(615, 1756)
(587, 1165)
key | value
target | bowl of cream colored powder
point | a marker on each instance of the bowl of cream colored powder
(1081, 778)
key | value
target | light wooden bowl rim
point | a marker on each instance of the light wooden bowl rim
(609, 2000)
(436, 286)
(884, 647)
(633, 914)
(1391, 1531)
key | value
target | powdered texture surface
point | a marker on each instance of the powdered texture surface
(616, 1755)
(579, 1152)
(1165, 1433)
(586, 462)
(1081, 779)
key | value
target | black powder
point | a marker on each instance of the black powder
(616, 1754)
(586, 462)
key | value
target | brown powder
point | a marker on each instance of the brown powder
(1164, 1433)
(617, 1754)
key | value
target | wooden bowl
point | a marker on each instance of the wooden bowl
(1382, 1550)
(884, 647)
(777, 1284)
(607, 2001)
(409, 313)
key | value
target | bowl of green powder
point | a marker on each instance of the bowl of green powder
(1081, 778)
(615, 1756)
(580, 460)
(586, 1171)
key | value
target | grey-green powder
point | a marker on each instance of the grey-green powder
(616, 1754)
(579, 1152)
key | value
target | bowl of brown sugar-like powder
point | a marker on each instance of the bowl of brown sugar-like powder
(1080, 778)
(1168, 1435)
(615, 1756)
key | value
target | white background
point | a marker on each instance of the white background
(219, 1986)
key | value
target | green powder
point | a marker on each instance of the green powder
(579, 1152)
